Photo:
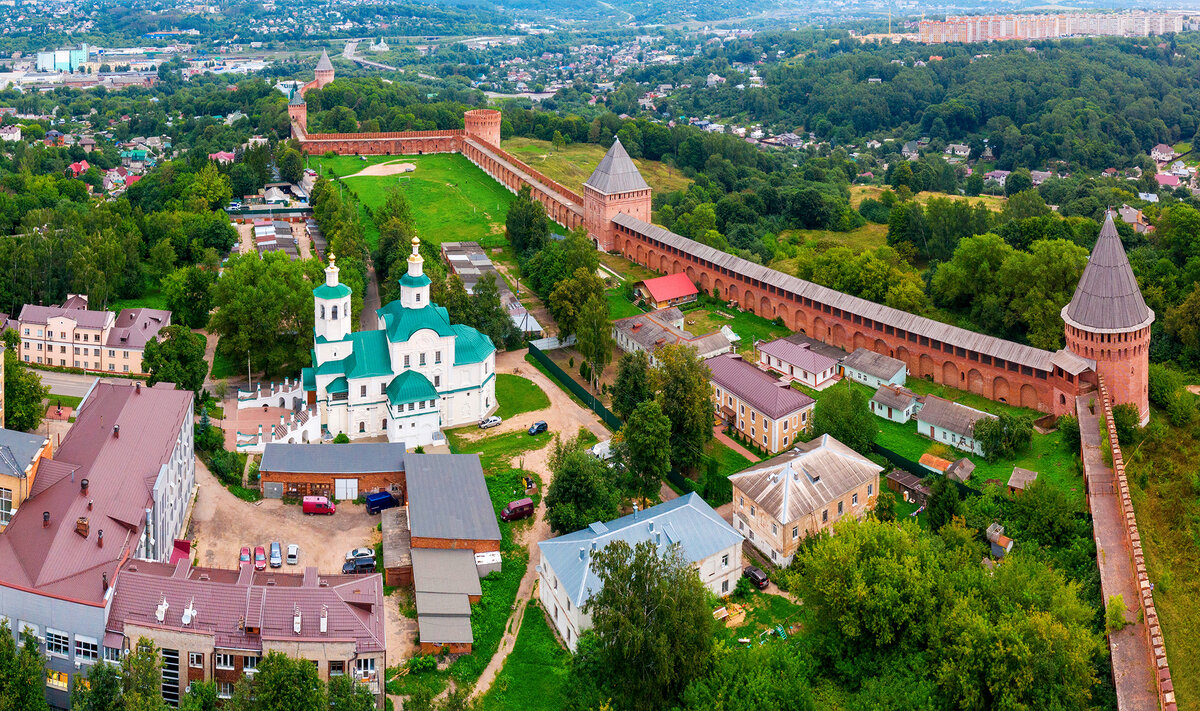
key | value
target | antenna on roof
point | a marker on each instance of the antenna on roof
(160, 613)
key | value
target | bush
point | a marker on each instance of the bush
(1164, 385)
(1068, 425)
(342, 438)
(1114, 613)
(1126, 418)
(226, 466)
(422, 663)
(875, 211)
(208, 439)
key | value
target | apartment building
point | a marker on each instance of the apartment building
(20, 455)
(777, 503)
(768, 411)
(70, 335)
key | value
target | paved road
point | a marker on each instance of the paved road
(367, 319)
(1134, 672)
(71, 384)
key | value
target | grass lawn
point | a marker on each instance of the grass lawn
(452, 199)
(534, 675)
(573, 164)
(619, 306)
(859, 192)
(728, 461)
(222, 365)
(922, 386)
(516, 395)
(763, 612)
(151, 299)
(869, 236)
(71, 401)
(631, 271)
(747, 325)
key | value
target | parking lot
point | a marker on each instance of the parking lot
(222, 524)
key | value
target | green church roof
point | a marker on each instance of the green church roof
(414, 282)
(470, 346)
(410, 386)
(326, 291)
(339, 385)
(369, 356)
(401, 323)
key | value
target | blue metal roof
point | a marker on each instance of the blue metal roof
(689, 521)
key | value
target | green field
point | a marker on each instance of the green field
(750, 327)
(573, 164)
(534, 674)
(620, 307)
(151, 299)
(452, 199)
(517, 395)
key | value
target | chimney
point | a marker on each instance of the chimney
(582, 553)
(45, 519)
(137, 387)
(104, 581)
(296, 619)
(116, 430)
(90, 503)
(635, 510)
(83, 486)
(100, 537)
(81, 526)
(324, 619)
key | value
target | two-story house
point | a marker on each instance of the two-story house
(72, 336)
(767, 410)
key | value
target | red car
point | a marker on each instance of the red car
(260, 558)
(245, 556)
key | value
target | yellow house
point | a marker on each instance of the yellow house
(20, 455)
(766, 410)
(777, 503)
(72, 336)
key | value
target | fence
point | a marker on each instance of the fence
(908, 465)
(717, 490)
(606, 416)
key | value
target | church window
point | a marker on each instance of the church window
(412, 406)
(437, 381)
(362, 390)
(322, 310)
(421, 359)
(383, 425)
(362, 427)
(382, 388)
(418, 297)
(422, 405)
(335, 311)
(407, 361)
(437, 357)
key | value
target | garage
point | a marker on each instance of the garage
(345, 489)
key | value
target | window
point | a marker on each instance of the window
(752, 512)
(741, 501)
(86, 649)
(125, 354)
(854, 500)
(795, 532)
(752, 415)
(125, 368)
(437, 381)
(741, 409)
(196, 659)
(382, 388)
(774, 530)
(112, 366)
(407, 361)
(362, 391)
(411, 406)
(362, 426)
(112, 654)
(383, 425)
(249, 664)
(223, 660)
(418, 297)
(334, 311)
(76, 350)
(225, 688)
(825, 516)
(112, 353)
(56, 680)
(839, 508)
(5, 506)
(764, 438)
(725, 561)
(421, 359)
(870, 488)
(96, 352)
(437, 357)
(58, 643)
(337, 668)
(365, 666)
(724, 586)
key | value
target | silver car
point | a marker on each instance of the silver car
(490, 422)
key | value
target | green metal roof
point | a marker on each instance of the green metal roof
(410, 386)
(414, 281)
(326, 291)
(332, 367)
(369, 356)
(339, 385)
(401, 323)
(470, 346)
(308, 377)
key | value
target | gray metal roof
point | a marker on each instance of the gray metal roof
(960, 469)
(657, 329)
(806, 479)
(445, 629)
(772, 397)
(885, 315)
(951, 416)
(688, 521)
(616, 173)
(873, 363)
(894, 396)
(445, 570)
(448, 498)
(323, 64)
(1022, 478)
(1108, 297)
(17, 451)
(431, 603)
(352, 458)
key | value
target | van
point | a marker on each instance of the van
(602, 450)
(516, 510)
(379, 501)
(318, 505)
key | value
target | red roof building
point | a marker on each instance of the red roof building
(79, 168)
(670, 290)
(1167, 180)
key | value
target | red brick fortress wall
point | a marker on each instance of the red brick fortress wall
(1122, 360)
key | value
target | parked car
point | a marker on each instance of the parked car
(358, 565)
(538, 427)
(260, 558)
(490, 422)
(379, 501)
(361, 553)
(276, 555)
(756, 576)
(245, 556)
(293, 556)
(602, 450)
(516, 510)
(318, 505)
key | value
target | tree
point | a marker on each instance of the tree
(487, 314)
(1023, 205)
(526, 224)
(944, 503)
(1004, 437)
(681, 380)
(22, 672)
(101, 691)
(1068, 425)
(1017, 181)
(291, 165)
(595, 341)
(632, 386)
(210, 190)
(141, 677)
(1126, 418)
(569, 296)
(177, 358)
(651, 622)
(201, 696)
(286, 684)
(844, 415)
(771, 676)
(581, 491)
(647, 448)
(885, 507)
(189, 293)
(346, 694)
(23, 390)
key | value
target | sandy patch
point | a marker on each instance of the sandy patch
(384, 169)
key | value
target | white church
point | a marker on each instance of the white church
(406, 380)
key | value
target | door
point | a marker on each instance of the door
(345, 489)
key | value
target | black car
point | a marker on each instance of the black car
(538, 427)
(358, 565)
(756, 576)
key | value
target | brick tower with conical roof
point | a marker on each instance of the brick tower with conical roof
(324, 70)
(615, 186)
(1108, 321)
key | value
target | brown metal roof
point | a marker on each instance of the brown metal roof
(121, 472)
(1108, 297)
(950, 415)
(83, 318)
(135, 327)
(770, 396)
(228, 604)
(894, 396)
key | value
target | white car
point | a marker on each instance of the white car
(360, 553)
(602, 450)
(293, 554)
(489, 422)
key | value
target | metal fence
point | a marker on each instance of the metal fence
(590, 400)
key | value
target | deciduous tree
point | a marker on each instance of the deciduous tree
(844, 415)
(23, 390)
(681, 380)
(647, 448)
(176, 356)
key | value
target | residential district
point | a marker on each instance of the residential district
(442, 409)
